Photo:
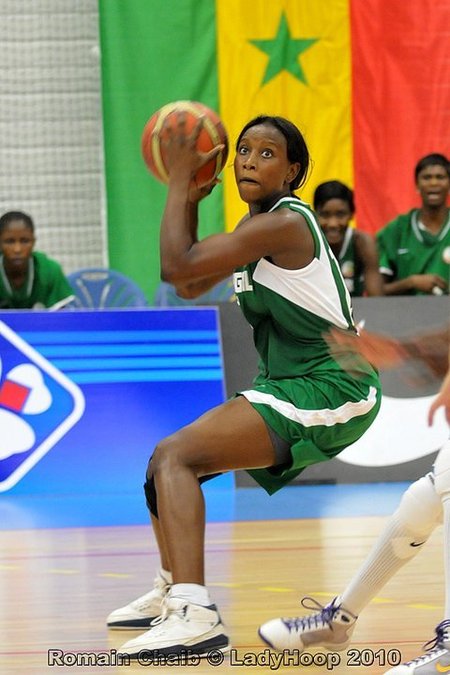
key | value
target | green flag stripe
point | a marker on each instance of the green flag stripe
(153, 53)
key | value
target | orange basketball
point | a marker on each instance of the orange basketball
(213, 133)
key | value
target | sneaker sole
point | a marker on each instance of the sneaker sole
(131, 624)
(331, 647)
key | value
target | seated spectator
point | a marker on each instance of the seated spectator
(355, 251)
(414, 248)
(166, 295)
(28, 279)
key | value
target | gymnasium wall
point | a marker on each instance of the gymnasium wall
(51, 141)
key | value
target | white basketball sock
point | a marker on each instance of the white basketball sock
(194, 593)
(442, 485)
(381, 564)
(408, 528)
(446, 506)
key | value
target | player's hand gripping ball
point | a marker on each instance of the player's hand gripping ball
(211, 134)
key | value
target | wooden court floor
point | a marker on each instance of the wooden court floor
(57, 586)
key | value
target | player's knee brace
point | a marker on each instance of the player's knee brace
(150, 493)
(150, 489)
(441, 471)
(417, 515)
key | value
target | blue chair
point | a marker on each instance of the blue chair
(223, 291)
(100, 288)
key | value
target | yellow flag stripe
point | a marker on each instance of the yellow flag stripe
(321, 106)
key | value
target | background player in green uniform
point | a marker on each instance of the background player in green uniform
(28, 279)
(355, 251)
(302, 408)
(414, 248)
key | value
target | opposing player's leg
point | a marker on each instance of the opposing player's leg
(331, 626)
(232, 436)
(436, 657)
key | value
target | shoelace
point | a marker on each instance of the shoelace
(324, 615)
(441, 636)
(434, 647)
(166, 611)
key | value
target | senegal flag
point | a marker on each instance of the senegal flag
(364, 82)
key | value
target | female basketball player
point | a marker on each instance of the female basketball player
(302, 408)
(356, 251)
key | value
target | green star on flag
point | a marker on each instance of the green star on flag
(283, 52)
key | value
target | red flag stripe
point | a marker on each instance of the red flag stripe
(401, 100)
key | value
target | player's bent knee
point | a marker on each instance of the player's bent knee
(160, 458)
(420, 508)
(441, 472)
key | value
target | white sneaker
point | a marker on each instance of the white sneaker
(182, 629)
(331, 628)
(141, 612)
(436, 659)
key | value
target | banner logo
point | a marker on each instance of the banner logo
(38, 406)
(400, 433)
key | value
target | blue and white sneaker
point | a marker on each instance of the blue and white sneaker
(331, 627)
(183, 629)
(436, 659)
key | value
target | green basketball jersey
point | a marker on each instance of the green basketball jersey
(407, 248)
(350, 264)
(290, 310)
(45, 286)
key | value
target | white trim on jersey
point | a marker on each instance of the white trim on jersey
(417, 225)
(289, 200)
(30, 275)
(311, 418)
(312, 288)
(445, 229)
(61, 303)
(348, 236)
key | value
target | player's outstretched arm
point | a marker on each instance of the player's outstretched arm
(442, 399)
(381, 351)
(385, 352)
